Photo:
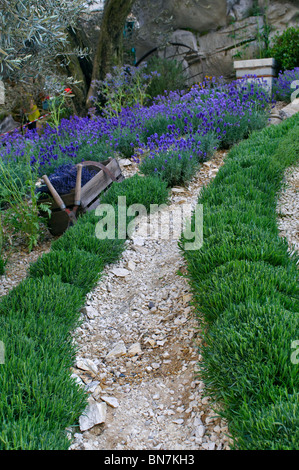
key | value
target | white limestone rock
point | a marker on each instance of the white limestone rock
(95, 413)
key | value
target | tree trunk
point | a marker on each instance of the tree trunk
(80, 69)
(109, 50)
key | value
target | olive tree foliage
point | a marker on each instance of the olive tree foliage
(33, 33)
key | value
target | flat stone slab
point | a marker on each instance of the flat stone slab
(253, 63)
(118, 350)
(111, 401)
(120, 272)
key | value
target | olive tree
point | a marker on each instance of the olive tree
(40, 38)
(33, 33)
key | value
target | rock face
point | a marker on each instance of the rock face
(8, 124)
(215, 32)
(198, 15)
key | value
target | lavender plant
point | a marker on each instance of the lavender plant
(282, 85)
(170, 77)
(175, 167)
(214, 115)
(125, 86)
(1, 245)
(199, 122)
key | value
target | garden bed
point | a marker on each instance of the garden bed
(174, 135)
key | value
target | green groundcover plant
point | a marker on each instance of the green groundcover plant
(42, 399)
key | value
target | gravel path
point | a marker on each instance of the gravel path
(18, 263)
(139, 349)
(288, 208)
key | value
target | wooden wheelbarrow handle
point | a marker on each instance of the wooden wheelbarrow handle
(78, 185)
(54, 193)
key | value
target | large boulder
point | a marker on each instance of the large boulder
(197, 15)
(159, 18)
(216, 31)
